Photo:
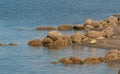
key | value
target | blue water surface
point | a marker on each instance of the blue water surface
(29, 14)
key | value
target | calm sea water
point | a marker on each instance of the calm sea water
(28, 14)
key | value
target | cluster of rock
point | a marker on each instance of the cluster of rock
(88, 25)
(56, 40)
(94, 31)
(112, 55)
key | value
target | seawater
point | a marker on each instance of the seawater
(29, 14)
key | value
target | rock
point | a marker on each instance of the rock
(54, 35)
(41, 28)
(99, 38)
(66, 61)
(46, 41)
(95, 34)
(78, 27)
(76, 38)
(108, 32)
(57, 44)
(65, 27)
(113, 55)
(85, 39)
(51, 28)
(88, 21)
(35, 42)
(45, 28)
(112, 19)
(102, 59)
(76, 60)
(88, 27)
(12, 44)
(1, 44)
(54, 62)
(93, 41)
(96, 24)
(92, 60)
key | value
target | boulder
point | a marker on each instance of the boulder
(35, 42)
(113, 55)
(94, 34)
(76, 38)
(88, 27)
(108, 32)
(46, 41)
(78, 27)
(54, 35)
(88, 21)
(65, 27)
(112, 19)
(66, 61)
(57, 44)
(76, 60)
(92, 60)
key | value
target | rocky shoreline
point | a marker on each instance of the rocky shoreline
(100, 34)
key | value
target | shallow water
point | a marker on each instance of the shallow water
(27, 15)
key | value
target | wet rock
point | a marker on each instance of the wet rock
(113, 55)
(51, 28)
(66, 61)
(12, 44)
(78, 27)
(54, 62)
(94, 34)
(65, 27)
(41, 28)
(76, 38)
(46, 41)
(45, 28)
(57, 44)
(76, 60)
(92, 60)
(35, 42)
(54, 35)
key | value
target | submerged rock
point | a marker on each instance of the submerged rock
(76, 60)
(41, 28)
(45, 28)
(35, 42)
(65, 27)
(92, 60)
(66, 61)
